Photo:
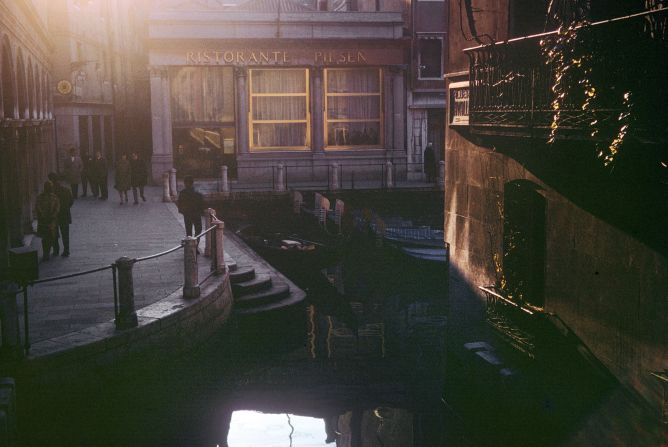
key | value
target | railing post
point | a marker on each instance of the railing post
(166, 197)
(127, 317)
(172, 184)
(224, 181)
(297, 201)
(441, 175)
(190, 280)
(220, 253)
(334, 177)
(389, 180)
(280, 178)
(11, 338)
(209, 217)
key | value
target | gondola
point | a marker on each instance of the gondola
(286, 251)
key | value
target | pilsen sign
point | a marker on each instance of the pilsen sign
(294, 57)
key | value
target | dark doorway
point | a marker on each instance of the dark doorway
(84, 137)
(97, 134)
(524, 242)
(108, 149)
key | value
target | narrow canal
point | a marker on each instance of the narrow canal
(381, 354)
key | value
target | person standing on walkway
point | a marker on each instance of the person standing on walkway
(64, 215)
(72, 168)
(138, 175)
(46, 209)
(122, 178)
(86, 177)
(191, 204)
(430, 163)
(100, 176)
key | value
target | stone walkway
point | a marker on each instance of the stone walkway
(101, 232)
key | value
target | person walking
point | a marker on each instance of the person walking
(138, 175)
(190, 203)
(99, 170)
(64, 215)
(72, 168)
(122, 178)
(46, 209)
(430, 163)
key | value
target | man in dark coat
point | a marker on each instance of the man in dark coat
(72, 168)
(138, 175)
(64, 215)
(191, 204)
(100, 174)
(46, 210)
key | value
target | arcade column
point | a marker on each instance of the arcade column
(161, 123)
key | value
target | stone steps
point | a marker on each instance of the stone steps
(256, 284)
(255, 294)
(275, 294)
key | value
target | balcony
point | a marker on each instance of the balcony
(511, 82)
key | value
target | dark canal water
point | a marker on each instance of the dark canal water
(381, 354)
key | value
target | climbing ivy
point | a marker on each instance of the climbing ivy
(607, 76)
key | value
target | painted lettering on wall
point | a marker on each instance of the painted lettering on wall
(339, 57)
(215, 57)
(271, 57)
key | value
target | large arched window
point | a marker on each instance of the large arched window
(21, 87)
(8, 89)
(31, 91)
(39, 109)
(45, 94)
(49, 98)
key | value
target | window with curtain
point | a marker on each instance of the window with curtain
(353, 107)
(202, 95)
(279, 109)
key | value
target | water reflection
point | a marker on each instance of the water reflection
(252, 428)
(370, 364)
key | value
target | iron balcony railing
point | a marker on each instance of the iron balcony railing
(511, 82)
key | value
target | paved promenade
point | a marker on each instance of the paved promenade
(101, 232)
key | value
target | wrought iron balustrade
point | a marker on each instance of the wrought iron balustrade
(514, 322)
(511, 82)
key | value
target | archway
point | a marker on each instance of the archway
(32, 111)
(21, 87)
(8, 89)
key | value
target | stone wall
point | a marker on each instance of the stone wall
(166, 328)
(607, 286)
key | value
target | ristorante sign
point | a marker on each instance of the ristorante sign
(288, 57)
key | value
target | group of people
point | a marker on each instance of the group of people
(131, 174)
(89, 171)
(54, 217)
(92, 171)
(53, 205)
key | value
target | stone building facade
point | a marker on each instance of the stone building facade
(548, 224)
(27, 150)
(278, 82)
(100, 76)
(426, 99)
